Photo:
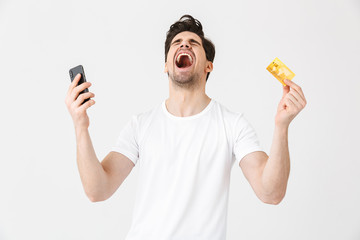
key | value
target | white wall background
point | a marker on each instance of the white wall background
(121, 46)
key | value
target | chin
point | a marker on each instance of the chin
(189, 82)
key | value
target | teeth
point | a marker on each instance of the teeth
(182, 54)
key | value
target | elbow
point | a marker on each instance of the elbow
(274, 200)
(95, 197)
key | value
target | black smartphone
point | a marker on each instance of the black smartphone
(73, 72)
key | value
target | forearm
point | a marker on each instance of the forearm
(276, 171)
(92, 174)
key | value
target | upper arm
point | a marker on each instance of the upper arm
(117, 167)
(252, 165)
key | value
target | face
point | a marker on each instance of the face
(186, 62)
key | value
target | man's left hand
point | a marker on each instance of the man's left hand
(291, 103)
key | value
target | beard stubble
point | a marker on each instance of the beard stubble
(185, 81)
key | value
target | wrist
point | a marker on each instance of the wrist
(80, 130)
(284, 128)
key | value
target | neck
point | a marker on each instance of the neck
(186, 102)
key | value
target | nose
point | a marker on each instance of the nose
(185, 44)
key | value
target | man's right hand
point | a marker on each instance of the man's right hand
(73, 102)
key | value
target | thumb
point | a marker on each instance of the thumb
(286, 89)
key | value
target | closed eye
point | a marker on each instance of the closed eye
(192, 41)
(176, 42)
(195, 42)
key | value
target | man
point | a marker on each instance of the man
(185, 148)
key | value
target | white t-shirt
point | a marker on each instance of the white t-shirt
(184, 170)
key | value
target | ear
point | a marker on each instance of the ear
(165, 70)
(209, 66)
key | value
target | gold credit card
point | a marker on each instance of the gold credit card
(279, 70)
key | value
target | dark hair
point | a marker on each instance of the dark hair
(188, 23)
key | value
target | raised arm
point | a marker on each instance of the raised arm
(268, 175)
(100, 180)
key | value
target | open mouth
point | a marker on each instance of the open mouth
(184, 60)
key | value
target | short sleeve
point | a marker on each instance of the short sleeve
(127, 142)
(246, 140)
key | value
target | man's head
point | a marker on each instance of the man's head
(188, 54)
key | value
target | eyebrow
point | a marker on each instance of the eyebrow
(191, 40)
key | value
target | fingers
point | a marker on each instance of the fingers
(298, 98)
(69, 95)
(75, 92)
(86, 105)
(295, 101)
(74, 82)
(289, 103)
(73, 97)
(297, 89)
(82, 97)
(286, 90)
